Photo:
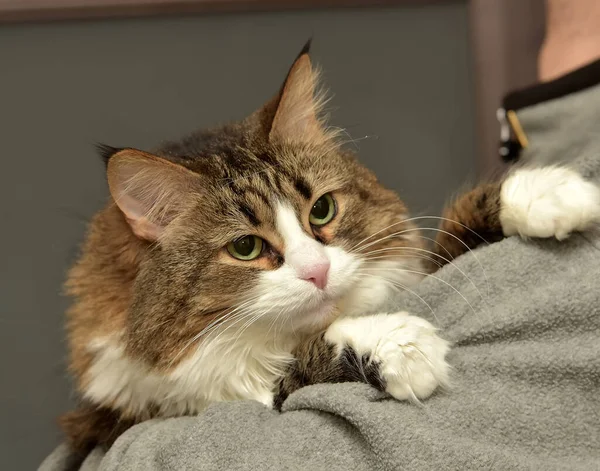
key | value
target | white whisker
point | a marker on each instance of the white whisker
(417, 218)
(227, 317)
(399, 285)
(439, 230)
(367, 255)
(435, 278)
(449, 262)
(436, 243)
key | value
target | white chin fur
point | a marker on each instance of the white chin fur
(378, 284)
(548, 202)
(297, 305)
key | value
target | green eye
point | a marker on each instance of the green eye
(246, 248)
(322, 211)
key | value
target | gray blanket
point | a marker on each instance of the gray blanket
(526, 393)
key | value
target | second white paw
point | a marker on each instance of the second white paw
(548, 202)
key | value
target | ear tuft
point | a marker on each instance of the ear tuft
(305, 49)
(150, 191)
(106, 151)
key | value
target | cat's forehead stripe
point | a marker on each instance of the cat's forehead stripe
(250, 214)
(303, 188)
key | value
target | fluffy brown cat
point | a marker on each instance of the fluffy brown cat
(238, 264)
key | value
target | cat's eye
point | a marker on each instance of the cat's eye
(246, 248)
(322, 211)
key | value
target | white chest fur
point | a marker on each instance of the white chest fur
(228, 369)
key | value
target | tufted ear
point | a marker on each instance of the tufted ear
(296, 116)
(150, 191)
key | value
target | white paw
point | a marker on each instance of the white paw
(411, 356)
(548, 202)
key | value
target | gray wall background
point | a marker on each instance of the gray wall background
(399, 76)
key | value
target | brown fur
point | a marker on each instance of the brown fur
(89, 426)
(471, 220)
(102, 282)
(318, 362)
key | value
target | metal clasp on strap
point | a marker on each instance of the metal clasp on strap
(510, 128)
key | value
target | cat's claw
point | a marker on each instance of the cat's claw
(409, 354)
(548, 202)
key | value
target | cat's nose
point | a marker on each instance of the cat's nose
(316, 274)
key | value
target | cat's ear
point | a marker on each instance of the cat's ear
(296, 116)
(150, 191)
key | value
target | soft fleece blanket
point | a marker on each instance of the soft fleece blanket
(526, 392)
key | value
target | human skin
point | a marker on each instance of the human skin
(572, 37)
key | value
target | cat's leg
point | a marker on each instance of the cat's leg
(469, 221)
(537, 202)
(396, 353)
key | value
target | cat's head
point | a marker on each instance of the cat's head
(267, 224)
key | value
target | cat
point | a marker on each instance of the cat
(238, 262)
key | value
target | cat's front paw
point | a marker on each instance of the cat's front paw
(409, 355)
(548, 202)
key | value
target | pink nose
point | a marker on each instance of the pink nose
(316, 274)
